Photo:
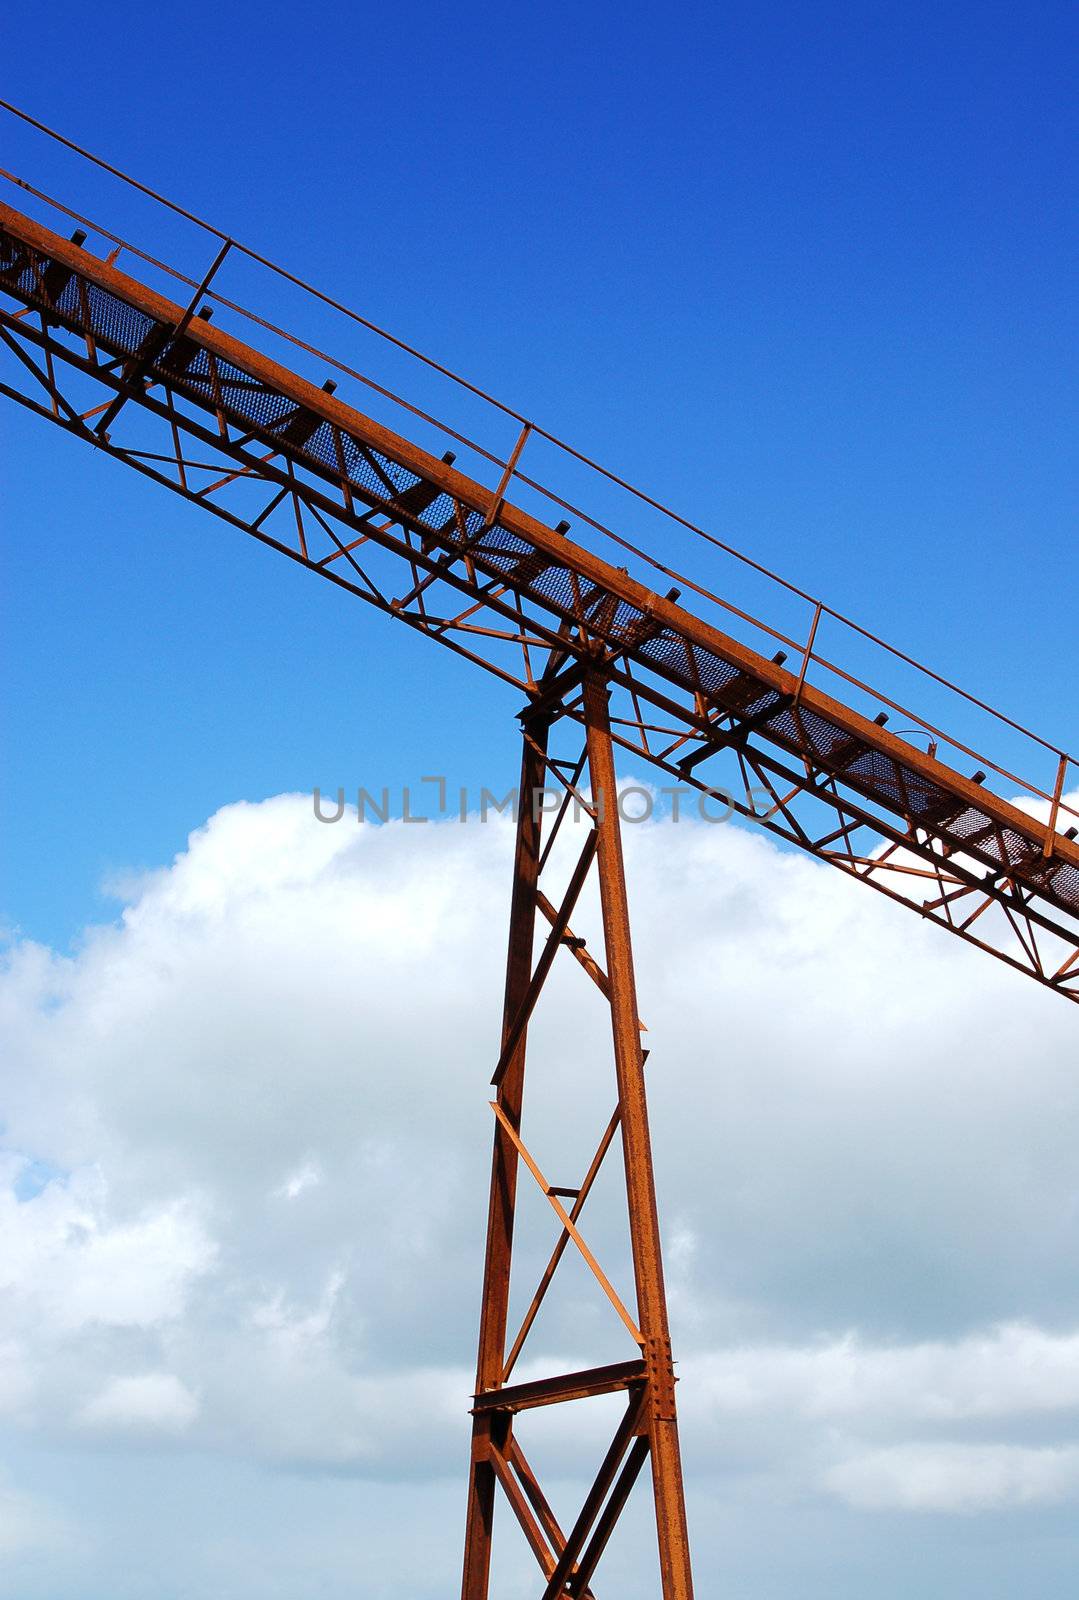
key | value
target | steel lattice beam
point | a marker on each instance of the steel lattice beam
(218, 423)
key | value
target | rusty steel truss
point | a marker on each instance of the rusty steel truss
(648, 1427)
(597, 654)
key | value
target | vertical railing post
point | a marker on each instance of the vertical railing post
(807, 653)
(1054, 809)
(499, 495)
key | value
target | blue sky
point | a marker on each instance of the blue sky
(803, 271)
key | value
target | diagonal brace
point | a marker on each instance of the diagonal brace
(568, 1223)
(547, 955)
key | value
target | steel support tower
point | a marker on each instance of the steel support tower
(649, 1425)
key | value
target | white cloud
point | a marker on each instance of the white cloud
(16, 1385)
(1008, 1372)
(305, 1177)
(65, 1254)
(957, 1478)
(257, 1109)
(150, 1402)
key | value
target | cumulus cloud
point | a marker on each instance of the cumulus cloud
(247, 1135)
(1009, 1372)
(78, 1264)
(957, 1478)
(151, 1402)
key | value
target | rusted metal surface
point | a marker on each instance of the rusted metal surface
(570, 1386)
(488, 1432)
(644, 1234)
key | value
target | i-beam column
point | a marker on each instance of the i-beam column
(637, 1151)
(492, 1427)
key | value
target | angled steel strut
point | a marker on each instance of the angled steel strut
(596, 654)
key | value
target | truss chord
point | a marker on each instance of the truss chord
(637, 1153)
(494, 1304)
